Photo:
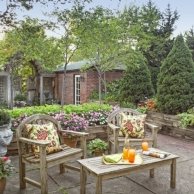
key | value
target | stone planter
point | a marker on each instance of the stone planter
(170, 125)
(5, 138)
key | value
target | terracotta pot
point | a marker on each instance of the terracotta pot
(98, 152)
(2, 185)
(71, 141)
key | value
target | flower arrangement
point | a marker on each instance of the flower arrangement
(6, 168)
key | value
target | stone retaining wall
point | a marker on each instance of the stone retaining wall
(170, 124)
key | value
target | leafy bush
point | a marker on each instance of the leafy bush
(176, 80)
(186, 119)
(19, 114)
(97, 144)
(136, 83)
(20, 97)
(4, 117)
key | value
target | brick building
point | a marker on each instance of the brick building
(80, 85)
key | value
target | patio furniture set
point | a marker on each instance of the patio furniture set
(40, 143)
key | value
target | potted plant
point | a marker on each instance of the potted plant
(5, 119)
(97, 147)
(71, 122)
(6, 168)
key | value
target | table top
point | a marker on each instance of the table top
(96, 165)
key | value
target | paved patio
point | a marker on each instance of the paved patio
(135, 183)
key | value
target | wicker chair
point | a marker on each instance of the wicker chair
(44, 161)
(115, 141)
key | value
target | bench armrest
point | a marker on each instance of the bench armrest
(76, 133)
(42, 143)
(113, 127)
(154, 128)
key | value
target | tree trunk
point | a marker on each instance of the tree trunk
(63, 85)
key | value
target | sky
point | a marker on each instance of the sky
(184, 8)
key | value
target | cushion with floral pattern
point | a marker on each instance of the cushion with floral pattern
(132, 125)
(44, 132)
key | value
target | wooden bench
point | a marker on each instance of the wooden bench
(102, 171)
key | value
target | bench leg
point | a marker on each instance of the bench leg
(99, 185)
(173, 174)
(83, 179)
(152, 173)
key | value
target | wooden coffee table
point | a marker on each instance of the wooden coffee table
(102, 171)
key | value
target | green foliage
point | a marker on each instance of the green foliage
(97, 144)
(113, 91)
(136, 83)
(20, 97)
(176, 80)
(30, 40)
(151, 29)
(190, 40)
(49, 109)
(4, 117)
(186, 119)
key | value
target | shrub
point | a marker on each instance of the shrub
(136, 83)
(97, 144)
(4, 117)
(176, 80)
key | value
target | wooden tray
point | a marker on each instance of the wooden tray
(138, 160)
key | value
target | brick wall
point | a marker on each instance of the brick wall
(89, 84)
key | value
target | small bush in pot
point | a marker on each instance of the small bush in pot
(97, 147)
(4, 117)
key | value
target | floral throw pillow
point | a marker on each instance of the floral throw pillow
(132, 126)
(44, 132)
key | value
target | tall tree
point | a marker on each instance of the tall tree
(8, 8)
(104, 43)
(151, 29)
(176, 80)
(30, 40)
(72, 23)
(136, 84)
(190, 40)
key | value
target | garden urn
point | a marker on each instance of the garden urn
(6, 136)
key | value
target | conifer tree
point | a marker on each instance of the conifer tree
(176, 80)
(136, 84)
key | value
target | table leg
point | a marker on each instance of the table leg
(173, 174)
(83, 178)
(99, 185)
(152, 173)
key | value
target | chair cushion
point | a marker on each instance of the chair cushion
(44, 132)
(132, 125)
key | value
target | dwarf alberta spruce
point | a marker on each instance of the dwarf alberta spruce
(6, 168)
